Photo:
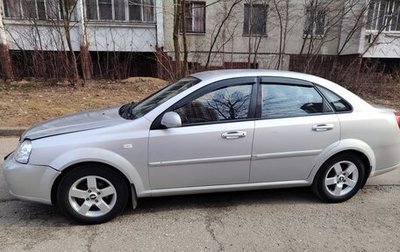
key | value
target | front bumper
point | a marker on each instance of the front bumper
(29, 182)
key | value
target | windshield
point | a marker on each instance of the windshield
(133, 111)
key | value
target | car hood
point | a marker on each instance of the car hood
(85, 120)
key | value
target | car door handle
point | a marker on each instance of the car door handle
(234, 134)
(322, 127)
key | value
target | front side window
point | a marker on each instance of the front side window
(383, 15)
(225, 104)
(255, 19)
(133, 111)
(280, 101)
(195, 17)
(315, 21)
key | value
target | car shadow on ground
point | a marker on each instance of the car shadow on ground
(15, 213)
(227, 199)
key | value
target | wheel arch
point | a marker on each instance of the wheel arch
(352, 147)
(131, 187)
(361, 155)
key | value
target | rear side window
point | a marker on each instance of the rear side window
(336, 101)
(281, 101)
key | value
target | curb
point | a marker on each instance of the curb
(11, 131)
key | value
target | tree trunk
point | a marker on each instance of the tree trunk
(176, 39)
(185, 49)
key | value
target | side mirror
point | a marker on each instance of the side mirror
(171, 120)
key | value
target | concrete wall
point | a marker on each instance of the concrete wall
(48, 35)
(233, 46)
(387, 45)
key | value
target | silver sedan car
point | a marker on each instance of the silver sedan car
(209, 132)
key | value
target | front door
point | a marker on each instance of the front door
(213, 146)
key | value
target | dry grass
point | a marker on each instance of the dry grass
(378, 88)
(27, 102)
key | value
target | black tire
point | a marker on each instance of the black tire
(104, 178)
(327, 174)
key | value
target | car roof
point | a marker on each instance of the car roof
(216, 75)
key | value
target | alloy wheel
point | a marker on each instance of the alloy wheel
(341, 178)
(92, 196)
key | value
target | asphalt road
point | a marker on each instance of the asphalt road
(268, 220)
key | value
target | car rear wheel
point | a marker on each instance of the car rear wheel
(339, 178)
(92, 195)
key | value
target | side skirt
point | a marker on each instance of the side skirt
(224, 188)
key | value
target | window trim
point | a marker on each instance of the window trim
(318, 87)
(156, 125)
(255, 109)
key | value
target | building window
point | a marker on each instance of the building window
(32, 9)
(383, 15)
(120, 10)
(105, 9)
(195, 17)
(255, 19)
(315, 21)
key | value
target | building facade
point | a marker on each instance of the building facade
(302, 35)
(101, 33)
(119, 38)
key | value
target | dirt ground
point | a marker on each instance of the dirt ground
(266, 220)
(23, 103)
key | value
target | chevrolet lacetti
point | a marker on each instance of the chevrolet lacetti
(210, 132)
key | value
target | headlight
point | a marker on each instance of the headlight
(23, 152)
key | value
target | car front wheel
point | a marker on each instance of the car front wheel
(92, 195)
(339, 178)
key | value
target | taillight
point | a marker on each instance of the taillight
(397, 114)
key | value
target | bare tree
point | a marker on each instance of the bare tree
(177, 25)
(282, 9)
(219, 30)
(67, 9)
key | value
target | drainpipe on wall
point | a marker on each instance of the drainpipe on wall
(5, 59)
(161, 57)
(159, 12)
(84, 48)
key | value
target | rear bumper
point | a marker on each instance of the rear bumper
(29, 182)
(384, 170)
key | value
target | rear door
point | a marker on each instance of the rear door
(296, 125)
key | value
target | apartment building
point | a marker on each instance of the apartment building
(117, 38)
(110, 38)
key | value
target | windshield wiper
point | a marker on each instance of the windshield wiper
(125, 111)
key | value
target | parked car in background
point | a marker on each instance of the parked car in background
(210, 132)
